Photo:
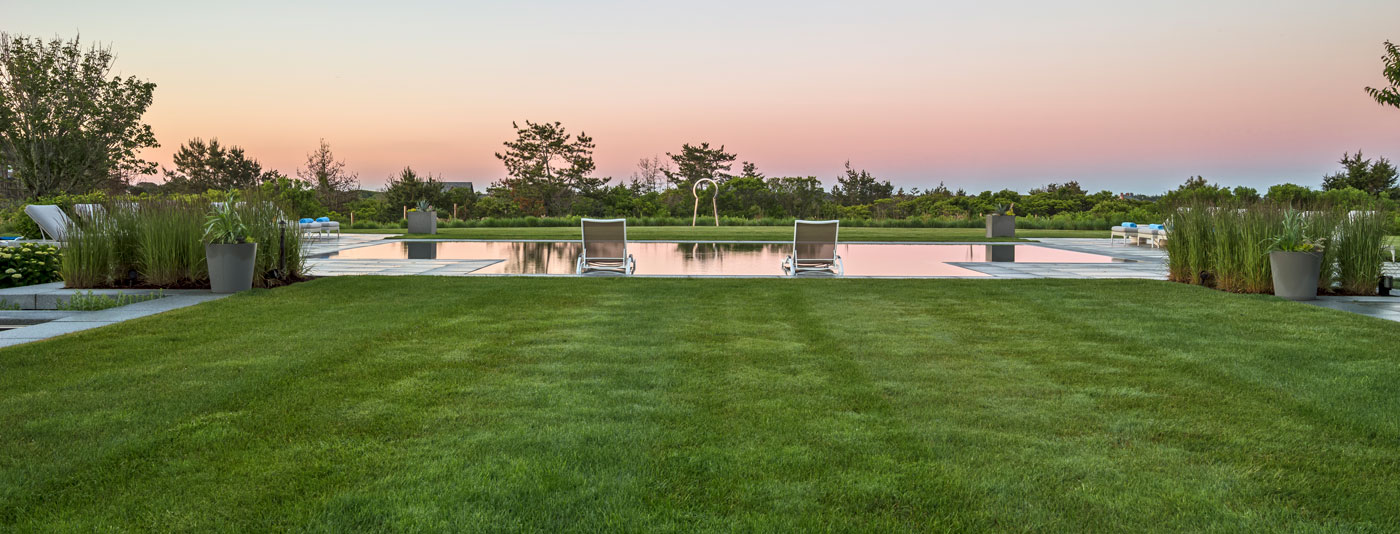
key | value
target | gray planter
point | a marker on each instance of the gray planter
(1001, 226)
(422, 222)
(230, 266)
(1295, 274)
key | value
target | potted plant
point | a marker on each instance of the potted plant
(1295, 259)
(229, 250)
(422, 219)
(1002, 221)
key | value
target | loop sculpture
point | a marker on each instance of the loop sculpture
(714, 200)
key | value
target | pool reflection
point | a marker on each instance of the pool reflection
(742, 259)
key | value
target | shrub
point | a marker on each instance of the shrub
(29, 264)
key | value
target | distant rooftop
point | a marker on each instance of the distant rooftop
(448, 186)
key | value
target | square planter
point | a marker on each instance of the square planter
(422, 222)
(1001, 226)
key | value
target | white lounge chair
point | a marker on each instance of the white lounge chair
(605, 247)
(1128, 231)
(89, 211)
(53, 223)
(309, 227)
(328, 226)
(814, 248)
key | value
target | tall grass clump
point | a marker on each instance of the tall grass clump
(1190, 244)
(1358, 250)
(274, 240)
(170, 251)
(1226, 246)
(88, 253)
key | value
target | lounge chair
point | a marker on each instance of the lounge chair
(89, 211)
(814, 248)
(328, 226)
(53, 223)
(1128, 231)
(1154, 234)
(309, 226)
(605, 247)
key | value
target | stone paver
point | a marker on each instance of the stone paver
(66, 322)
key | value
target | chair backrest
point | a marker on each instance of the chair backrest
(814, 240)
(604, 239)
(89, 211)
(51, 220)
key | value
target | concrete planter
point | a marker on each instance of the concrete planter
(230, 266)
(422, 222)
(1001, 226)
(1295, 274)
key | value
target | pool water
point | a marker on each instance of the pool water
(723, 259)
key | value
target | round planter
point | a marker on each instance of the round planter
(230, 266)
(1295, 274)
(422, 222)
(1001, 226)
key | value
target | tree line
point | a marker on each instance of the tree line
(68, 125)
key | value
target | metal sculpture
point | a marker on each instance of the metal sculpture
(714, 200)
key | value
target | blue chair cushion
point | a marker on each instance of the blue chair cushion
(323, 219)
(306, 220)
(1129, 225)
(1156, 227)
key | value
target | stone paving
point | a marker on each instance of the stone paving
(52, 323)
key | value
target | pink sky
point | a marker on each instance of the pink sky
(1122, 96)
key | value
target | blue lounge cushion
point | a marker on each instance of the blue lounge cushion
(1156, 227)
(11, 238)
(323, 219)
(1129, 225)
(305, 220)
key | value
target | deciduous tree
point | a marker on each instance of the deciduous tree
(66, 125)
(328, 176)
(1389, 96)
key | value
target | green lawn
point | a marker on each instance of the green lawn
(609, 404)
(743, 233)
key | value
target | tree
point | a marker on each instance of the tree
(1389, 96)
(201, 166)
(649, 174)
(1363, 174)
(406, 189)
(333, 184)
(699, 162)
(750, 171)
(65, 126)
(546, 165)
(860, 187)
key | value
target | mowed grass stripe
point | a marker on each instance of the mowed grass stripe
(379, 403)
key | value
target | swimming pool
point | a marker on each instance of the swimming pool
(720, 259)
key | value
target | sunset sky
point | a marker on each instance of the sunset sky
(1127, 96)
